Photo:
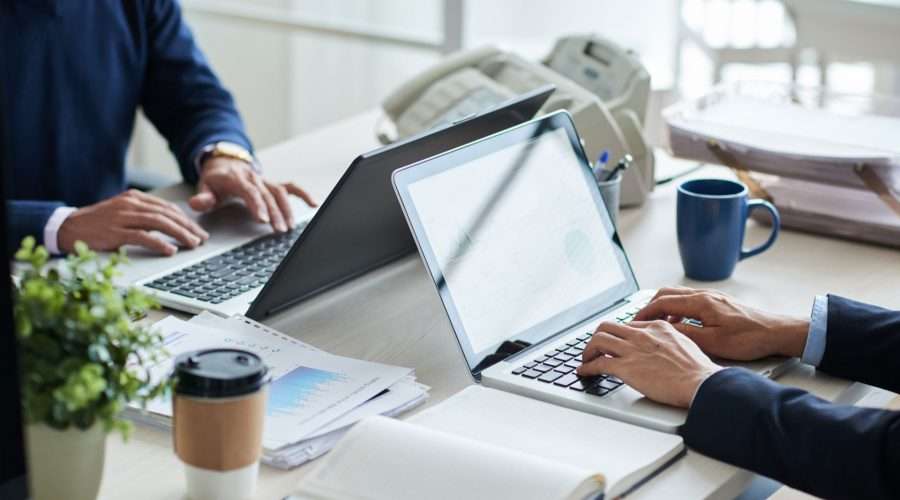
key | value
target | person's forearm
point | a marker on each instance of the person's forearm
(793, 437)
(182, 96)
(28, 218)
(790, 335)
(863, 343)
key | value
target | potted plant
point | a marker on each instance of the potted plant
(83, 360)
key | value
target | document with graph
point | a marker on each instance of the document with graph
(310, 388)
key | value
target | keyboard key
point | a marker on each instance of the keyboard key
(608, 384)
(553, 362)
(574, 363)
(572, 343)
(531, 374)
(575, 351)
(549, 377)
(249, 280)
(542, 368)
(563, 356)
(223, 272)
(563, 369)
(530, 365)
(540, 359)
(567, 380)
(577, 386)
(597, 391)
(519, 371)
(585, 337)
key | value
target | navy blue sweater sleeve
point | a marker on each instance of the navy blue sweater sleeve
(789, 435)
(28, 218)
(862, 343)
(182, 96)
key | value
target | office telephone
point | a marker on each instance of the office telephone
(603, 87)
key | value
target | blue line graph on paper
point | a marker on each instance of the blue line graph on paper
(299, 388)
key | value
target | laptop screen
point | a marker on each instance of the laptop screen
(516, 236)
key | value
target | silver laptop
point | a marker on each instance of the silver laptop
(525, 259)
(244, 269)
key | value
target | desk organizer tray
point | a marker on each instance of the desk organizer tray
(830, 162)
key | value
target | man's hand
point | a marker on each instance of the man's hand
(730, 330)
(222, 178)
(128, 219)
(652, 357)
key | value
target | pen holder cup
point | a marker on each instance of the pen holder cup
(609, 191)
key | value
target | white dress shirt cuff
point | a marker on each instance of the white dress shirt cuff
(51, 229)
(818, 326)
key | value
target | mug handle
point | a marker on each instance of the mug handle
(776, 226)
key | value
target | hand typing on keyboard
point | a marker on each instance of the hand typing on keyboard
(729, 330)
(652, 357)
(222, 178)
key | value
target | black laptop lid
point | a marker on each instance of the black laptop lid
(360, 227)
(12, 450)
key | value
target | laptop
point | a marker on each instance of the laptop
(246, 269)
(526, 262)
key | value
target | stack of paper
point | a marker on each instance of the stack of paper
(315, 396)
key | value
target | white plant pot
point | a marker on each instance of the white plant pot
(65, 464)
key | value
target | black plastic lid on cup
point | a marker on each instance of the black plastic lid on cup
(219, 373)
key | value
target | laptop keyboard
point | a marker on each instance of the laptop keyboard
(558, 367)
(227, 275)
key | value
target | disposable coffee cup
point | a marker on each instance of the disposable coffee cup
(219, 407)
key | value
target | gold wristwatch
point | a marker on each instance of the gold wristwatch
(227, 150)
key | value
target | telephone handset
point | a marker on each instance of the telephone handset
(469, 82)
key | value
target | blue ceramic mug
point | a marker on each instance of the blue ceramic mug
(712, 215)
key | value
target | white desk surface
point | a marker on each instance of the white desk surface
(393, 315)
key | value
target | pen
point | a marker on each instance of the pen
(623, 164)
(600, 166)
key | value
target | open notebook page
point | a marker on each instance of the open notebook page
(623, 453)
(387, 459)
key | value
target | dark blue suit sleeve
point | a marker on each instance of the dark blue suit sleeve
(796, 438)
(28, 218)
(862, 343)
(182, 96)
